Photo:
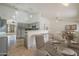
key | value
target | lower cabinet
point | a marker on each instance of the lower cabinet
(3, 46)
(11, 40)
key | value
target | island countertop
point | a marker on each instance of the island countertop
(36, 31)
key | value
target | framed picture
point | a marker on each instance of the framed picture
(74, 27)
(67, 27)
(71, 27)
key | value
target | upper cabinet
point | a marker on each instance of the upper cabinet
(2, 25)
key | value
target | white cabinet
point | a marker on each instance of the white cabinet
(11, 40)
(46, 37)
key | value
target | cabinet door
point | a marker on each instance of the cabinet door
(11, 40)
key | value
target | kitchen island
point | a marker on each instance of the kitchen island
(30, 40)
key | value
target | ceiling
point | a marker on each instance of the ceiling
(50, 10)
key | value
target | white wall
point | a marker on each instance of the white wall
(34, 18)
(6, 12)
(9, 13)
(58, 26)
(43, 23)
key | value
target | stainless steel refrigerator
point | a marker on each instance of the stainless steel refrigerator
(3, 38)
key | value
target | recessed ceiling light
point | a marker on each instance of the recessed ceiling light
(31, 16)
(13, 17)
(65, 4)
(16, 12)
